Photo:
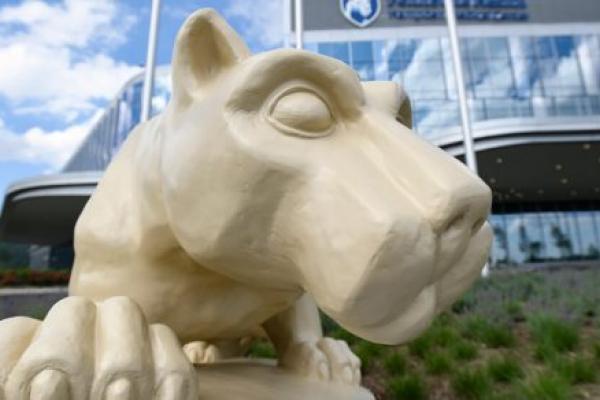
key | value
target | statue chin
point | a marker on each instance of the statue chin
(404, 326)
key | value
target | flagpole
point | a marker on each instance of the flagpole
(465, 118)
(460, 86)
(150, 61)
(299, 23)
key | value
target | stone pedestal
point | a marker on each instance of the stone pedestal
(262, 380)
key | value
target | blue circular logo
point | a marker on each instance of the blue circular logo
(360, 12)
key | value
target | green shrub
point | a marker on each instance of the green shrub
(437, 363)
(584, 371)
(551, 332)
(505, 369)
(262, 349)
(544, 352)
(471, 384)
(409, 387)
(464, 351)
(420, 346)
(367, 352)
(474, 327)
(548, 386)
(443, 336)
(342, 334)
(329, 326)
(596, 350)
(28, 277)
(497, 336)
(37, 311)
(588, 307)
(514, 309)
(395, 363)
(575, 371)
(464, 305)
(508, 393)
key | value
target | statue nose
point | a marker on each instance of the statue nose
(465, 219)
(464, 212)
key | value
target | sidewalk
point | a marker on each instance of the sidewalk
(29, 301)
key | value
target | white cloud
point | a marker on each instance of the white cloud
(71, 23)
(53, 56)
(51, 148)
(262, 20)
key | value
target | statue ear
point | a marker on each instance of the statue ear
(205, 46)
(404, 113)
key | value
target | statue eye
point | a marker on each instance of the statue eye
(301, 113)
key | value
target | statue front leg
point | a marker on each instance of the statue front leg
(298, 339)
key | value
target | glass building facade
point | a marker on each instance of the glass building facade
(545, 237)
(520, 77)
(506, 77)
(113, 127)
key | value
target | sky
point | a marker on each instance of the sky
(62, 61)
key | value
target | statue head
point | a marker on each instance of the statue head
(283, 171)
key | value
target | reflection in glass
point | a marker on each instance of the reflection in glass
(362, 59)
(114, 126)
(545, 237)
(506, 77)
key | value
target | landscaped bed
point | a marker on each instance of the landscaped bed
(515, 335)
(28, 277)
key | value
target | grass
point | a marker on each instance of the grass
(367, 352)
(544, 352)
(515, 311)
(474, 327)
(395, 364)
(577, 370)
(443, 335)
(464, 351)
(557, 335)
(471, 384)
(497, 336)
(505, 369)
(514, 336)
(409, 387)
(420, 346)
(438, 363)
(548, 386)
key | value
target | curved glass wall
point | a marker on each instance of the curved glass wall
(506, 77)
(114, 126)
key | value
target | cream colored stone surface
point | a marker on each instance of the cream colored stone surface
(272, 184)
(253, 381)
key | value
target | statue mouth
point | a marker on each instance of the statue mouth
(405, 324)
(396, 325)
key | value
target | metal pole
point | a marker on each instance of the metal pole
(150, 61)
(460, 86)
(299, 23)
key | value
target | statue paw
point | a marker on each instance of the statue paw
(83, 350)
(202, 352)
(325, 359)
